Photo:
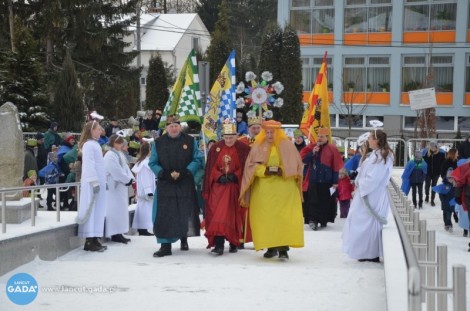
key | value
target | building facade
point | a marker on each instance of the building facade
(378, 50)
(173, 36)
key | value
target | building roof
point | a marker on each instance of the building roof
(162, 32)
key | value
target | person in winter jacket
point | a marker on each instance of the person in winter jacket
(446, 195)
(143, 220)
(464, 149)
(52, 137)
(434, 157)
(413, 177)
(345, 190)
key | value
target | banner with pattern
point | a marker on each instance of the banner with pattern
(185, 97)
(221, 103)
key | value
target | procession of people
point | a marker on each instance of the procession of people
(260, 187)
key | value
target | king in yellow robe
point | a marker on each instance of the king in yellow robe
(271, 189)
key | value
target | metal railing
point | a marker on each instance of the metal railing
(427, 273)
(34, 191)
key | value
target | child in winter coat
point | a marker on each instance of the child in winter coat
(345, 190)
(413, 177)
(29, 181)
(446, 195)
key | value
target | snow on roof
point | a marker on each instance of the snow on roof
(162, 32)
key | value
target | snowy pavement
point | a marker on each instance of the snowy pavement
(316, 277)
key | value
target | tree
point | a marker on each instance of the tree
(220, 46)
(22, 80)
(157, 85)
(68, 105)
(291, 77)
(271, 48)
(208, 11)
(249, 21)
(348, 107)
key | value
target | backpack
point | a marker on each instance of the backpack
(50, 173)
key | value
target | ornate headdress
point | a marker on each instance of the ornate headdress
(254, 120)
(271, 124)
(376, 124)
(229, 128)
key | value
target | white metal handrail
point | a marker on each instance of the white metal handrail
(59, 188)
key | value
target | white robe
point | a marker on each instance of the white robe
(362, 231)
(145, 185)
(118, 175)
(92, 171)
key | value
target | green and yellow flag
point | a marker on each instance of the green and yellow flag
(185, 97)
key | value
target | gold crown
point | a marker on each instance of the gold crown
(229, 129)
(254, 120)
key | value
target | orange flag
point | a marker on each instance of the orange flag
(317, 113)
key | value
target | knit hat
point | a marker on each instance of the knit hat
(432, 144)
(68, 137)
(31, 173)
(31, 142)
(298, 133)
(54, 124)
(39, 135)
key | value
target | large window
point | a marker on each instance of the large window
(315, 16)
(422, 71)
(371, 74)
(442, 123)
(430, 15)
(367, 16)
(311, 67)
(357, 120)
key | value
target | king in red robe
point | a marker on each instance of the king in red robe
(221, 189)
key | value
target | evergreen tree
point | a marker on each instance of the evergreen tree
(270, 54)
(221, 46)
(291, 76)
(249, 21)
(157, 85)
(68, 106)
(22, 80)
(208, 11)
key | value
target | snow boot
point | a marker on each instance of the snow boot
(184, 244)
(91, 246)
(165, 250)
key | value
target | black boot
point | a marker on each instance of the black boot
(270, 253)
(124, 238)
(283, 255)
(144, 232)
(118, 238)
(91, 246)
(97, 242)
(219, 246)
(184, 244)
(233, 248)
(165, 250)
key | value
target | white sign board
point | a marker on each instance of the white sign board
(422, 99)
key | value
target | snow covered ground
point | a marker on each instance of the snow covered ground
(316, 277)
